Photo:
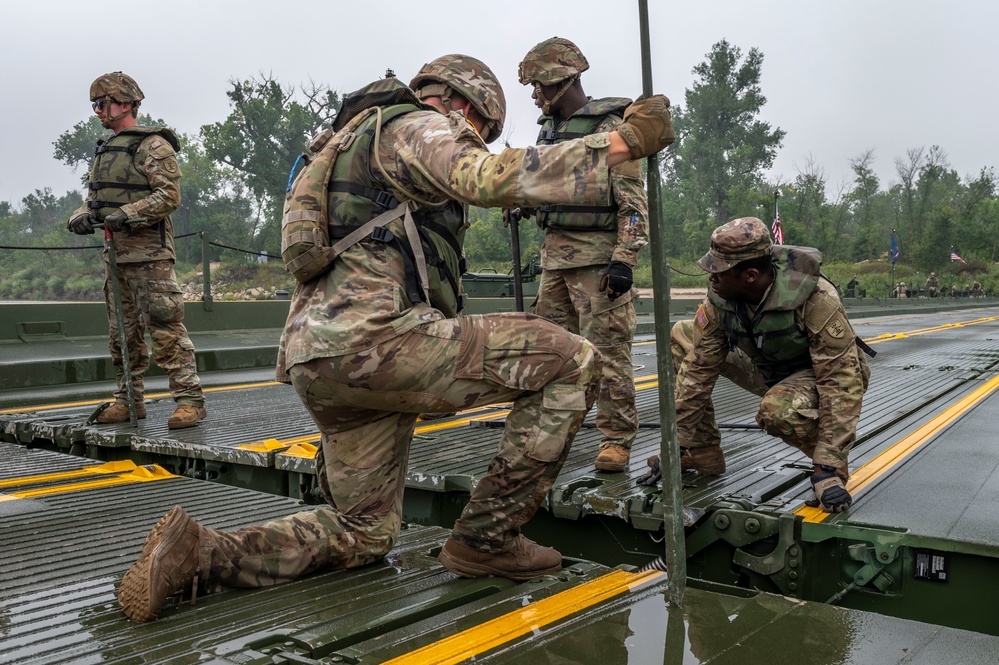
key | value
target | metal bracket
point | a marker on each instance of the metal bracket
(740, 528)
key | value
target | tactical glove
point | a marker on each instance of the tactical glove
(830, 493)
(647, 127)
(616, 280)
(654, 475)
(116, 221)
(81, 225)
(515, 215)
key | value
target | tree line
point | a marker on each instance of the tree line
(236, 170)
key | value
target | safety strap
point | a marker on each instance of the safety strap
(130, 186)
(412, 236)
(552, 136)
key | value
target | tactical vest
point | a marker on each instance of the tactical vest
(771, 338)
(114, 180)
(580, 124)
(358, 208)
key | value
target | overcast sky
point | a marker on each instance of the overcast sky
(840, 77)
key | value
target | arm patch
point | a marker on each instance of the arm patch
(701, 317)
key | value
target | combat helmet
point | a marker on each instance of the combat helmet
(117, 86)
(470, 78)
(552, 61)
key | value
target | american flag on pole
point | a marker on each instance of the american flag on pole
(955, 257)
(777, 230)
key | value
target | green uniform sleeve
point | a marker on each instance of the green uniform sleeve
(697, 374)
(628, 190)
(444, 158)
(841, 374)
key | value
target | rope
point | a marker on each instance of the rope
(245, 251)
(57, 248)
(680, 272)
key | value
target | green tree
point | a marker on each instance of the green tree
(723, 147)
(268, 127)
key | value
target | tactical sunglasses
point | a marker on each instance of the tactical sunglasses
(101, 103)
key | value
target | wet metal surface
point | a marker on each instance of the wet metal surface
(60, 564)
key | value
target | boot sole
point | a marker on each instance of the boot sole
(466, 569)
(610, 468)
(135, 593)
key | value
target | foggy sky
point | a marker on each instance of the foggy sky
(840, 77)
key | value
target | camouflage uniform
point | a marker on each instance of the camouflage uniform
(581, 241)
(366, 361)
(932, 285)
(136, 172)
(799, 354)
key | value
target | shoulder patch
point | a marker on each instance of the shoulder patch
(701, 317)
(836, 329)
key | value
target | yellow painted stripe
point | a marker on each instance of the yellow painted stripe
(924, 331)
(111, 467)
(95, 402)
(139, 475)
(470, 643)
(905, 447)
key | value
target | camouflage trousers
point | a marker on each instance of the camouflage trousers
(366, 405)
(150, 297)
(572, 299)
(789, 410)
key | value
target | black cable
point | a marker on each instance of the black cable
(245, 251)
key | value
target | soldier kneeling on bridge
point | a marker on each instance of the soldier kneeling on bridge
(773, 325)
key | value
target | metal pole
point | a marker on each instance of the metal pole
(206, 273)
(669, 455)
(126, 365)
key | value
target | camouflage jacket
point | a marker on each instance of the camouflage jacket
(362, 301)
(156, 161)
(832, 353)
(567, 248)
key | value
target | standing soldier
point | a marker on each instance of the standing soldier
(590, 250)
(373, 342)
(772, 325)
(132, 190)
(932, 285)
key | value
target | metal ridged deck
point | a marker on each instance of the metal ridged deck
(64, 550)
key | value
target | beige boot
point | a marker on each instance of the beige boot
(168, 564)
(118, 412)
(523, 560)
(707, 461)
(612, 457)
(186, 415)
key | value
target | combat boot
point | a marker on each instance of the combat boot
(118, 412)
(524, 559)
(707, 461)
(612, 457)
(186, 415)
(168, 564)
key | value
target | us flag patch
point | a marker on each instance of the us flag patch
(701, 317)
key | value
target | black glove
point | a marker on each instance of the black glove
(516, 214)
(616, 280)
(830, 493)
(81, 225)
(655, 474)
(116, 221)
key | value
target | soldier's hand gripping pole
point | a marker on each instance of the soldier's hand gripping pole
(133, 419)
(511, 217)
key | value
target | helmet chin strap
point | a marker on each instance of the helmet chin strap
(546, 104)
(111, 119)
